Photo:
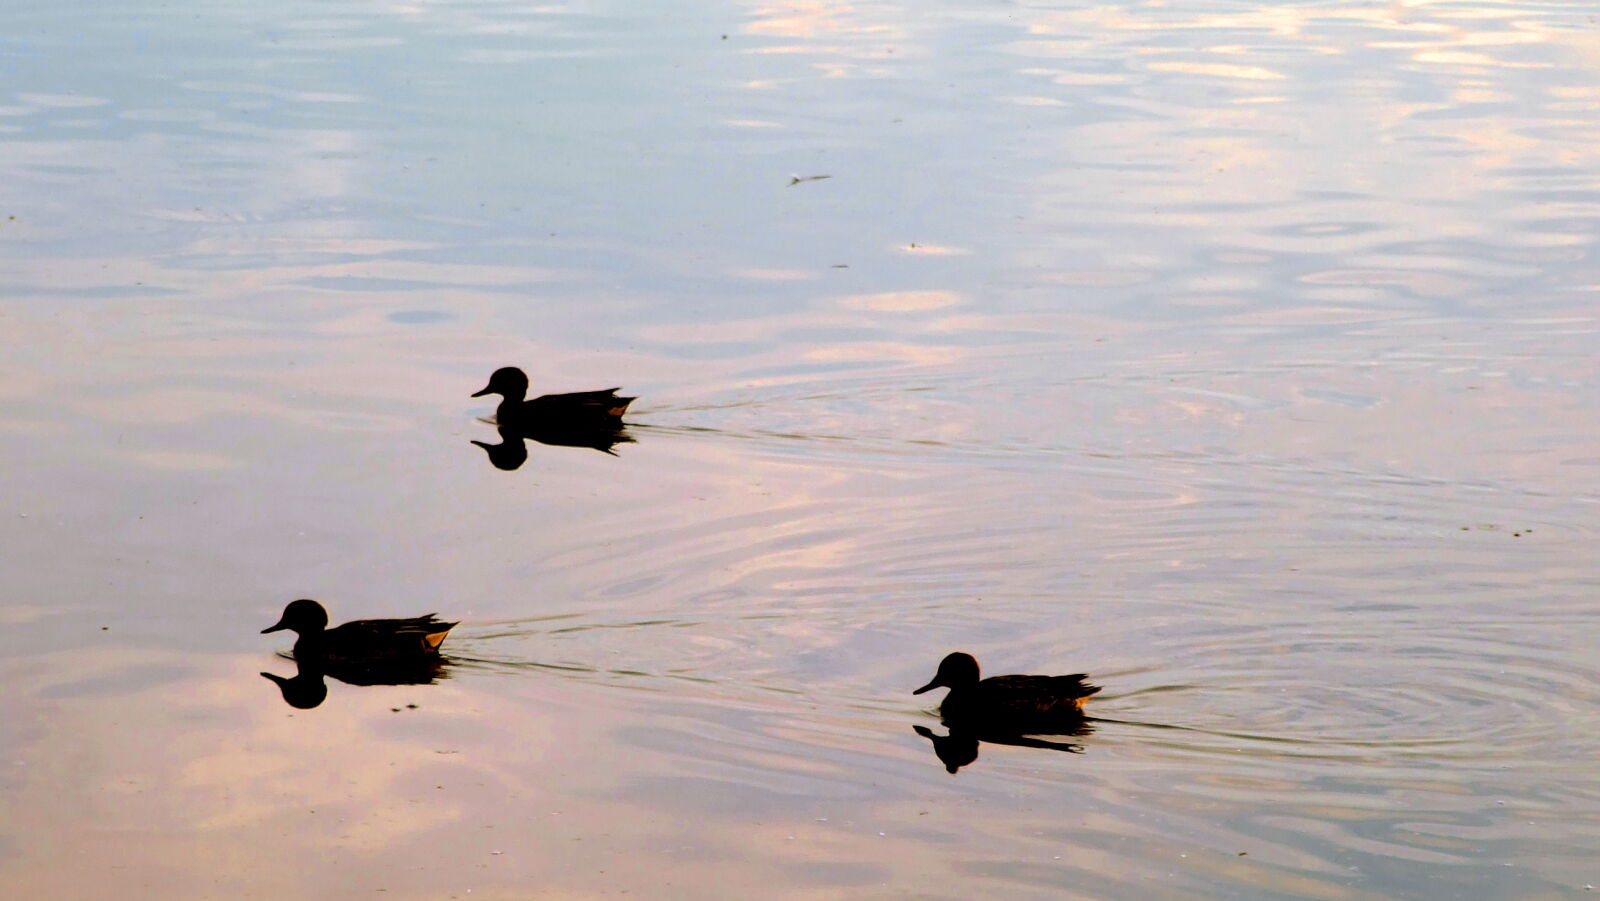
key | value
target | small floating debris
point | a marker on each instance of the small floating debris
(1516, 531)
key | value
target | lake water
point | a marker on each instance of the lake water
(1243, 356)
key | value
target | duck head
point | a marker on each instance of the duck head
(300, 617)
(507, 381)
(958, 670)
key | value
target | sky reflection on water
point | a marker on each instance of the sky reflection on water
(1243, 356)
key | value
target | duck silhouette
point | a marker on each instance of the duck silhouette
(1003, 710)
(370, 641)
(512, 451)
(1009, 705)
(591, 408)
(306, 688)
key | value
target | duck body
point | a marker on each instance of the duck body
(1018, 697)
(372, 641)
(579, 408)
(1010, 704)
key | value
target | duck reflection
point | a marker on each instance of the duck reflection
(307, 688)
(960, 746)
(512, 451)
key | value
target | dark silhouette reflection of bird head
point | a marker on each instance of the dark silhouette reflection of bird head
(512, 452)
(509, 454)
(960, 746)
(302, 691)
(307, 689)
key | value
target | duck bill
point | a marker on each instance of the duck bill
(275, 627)
(483, 392)
(929, 687)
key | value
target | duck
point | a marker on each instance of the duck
(377, 642)
(1016, 705)
(592, 408)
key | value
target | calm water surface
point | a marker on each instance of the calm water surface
(1241, 355)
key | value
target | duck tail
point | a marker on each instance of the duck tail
(434, 639)
(1081, 689)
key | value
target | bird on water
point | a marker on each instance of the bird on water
(376, 641)
(591, 408)
(1013, 704)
